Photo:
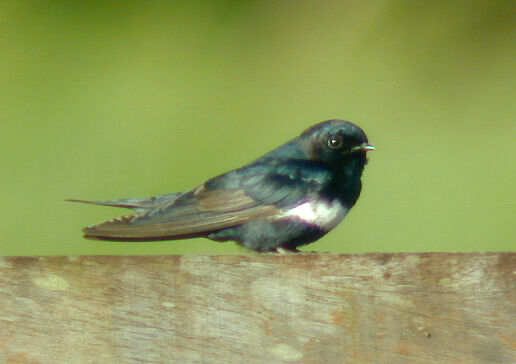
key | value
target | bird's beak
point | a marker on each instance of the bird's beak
(365, 147)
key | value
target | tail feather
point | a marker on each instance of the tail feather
(115, 203)
(135, 203)
(123, 228)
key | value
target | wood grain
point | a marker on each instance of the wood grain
(262, 308)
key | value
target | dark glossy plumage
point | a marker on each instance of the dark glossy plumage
(289, 197)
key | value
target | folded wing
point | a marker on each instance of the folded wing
(222, 202)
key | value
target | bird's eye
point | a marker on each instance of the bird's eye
(335, 142)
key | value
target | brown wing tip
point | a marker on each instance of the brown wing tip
(104, 227)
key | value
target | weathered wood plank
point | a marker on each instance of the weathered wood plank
(306, 308)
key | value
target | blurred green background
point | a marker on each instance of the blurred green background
(110, 99)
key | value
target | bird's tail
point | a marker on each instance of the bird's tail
(135, 203)
(122, 228)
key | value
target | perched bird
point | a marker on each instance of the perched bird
(290, 197)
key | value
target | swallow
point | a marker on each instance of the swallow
(290, 197)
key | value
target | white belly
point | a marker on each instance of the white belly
(324, 214)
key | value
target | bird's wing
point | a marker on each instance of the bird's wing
(222, 202)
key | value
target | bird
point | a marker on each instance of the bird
(289, 197)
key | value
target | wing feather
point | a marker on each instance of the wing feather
(222, 202)
(127, 227)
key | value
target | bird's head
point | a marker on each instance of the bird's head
(336, 142)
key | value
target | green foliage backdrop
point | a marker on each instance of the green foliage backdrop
(111, 99)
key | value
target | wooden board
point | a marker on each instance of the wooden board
(262, 308)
